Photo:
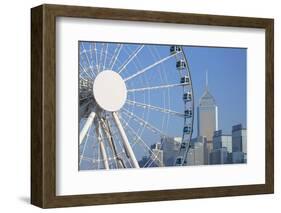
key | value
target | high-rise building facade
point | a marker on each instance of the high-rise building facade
(170, 147)
(239, 144)
(222, 140)
(222, 148)
(197, 152)
(207, 115)
(219, 156)
(207, 119)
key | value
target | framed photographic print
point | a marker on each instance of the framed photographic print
(136, 106)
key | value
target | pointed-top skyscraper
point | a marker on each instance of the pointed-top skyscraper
(207, 114)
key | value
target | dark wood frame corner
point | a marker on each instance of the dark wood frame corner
(43, 105)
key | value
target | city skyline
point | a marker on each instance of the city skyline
(219, 148)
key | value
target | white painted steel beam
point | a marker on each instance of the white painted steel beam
(125, 140)
(156, 87)
(149, 67)
(86, 126)
(102, 148)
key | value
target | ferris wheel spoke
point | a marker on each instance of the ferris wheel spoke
(86, 159)
(149, 67)
(83, 106)
(96, 55)
(125, 140)
(142, 122)
(113, 55)
(156, 108)
(157, 87)
(140, 139)
(105, 56)
(130, 58)
(116, 57)
(84, 71)
(154, 159)
(92, 55)
(83, 78)
(101, 54)
(87, 59)
(84, 98)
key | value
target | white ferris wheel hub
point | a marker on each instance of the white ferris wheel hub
(109, 90)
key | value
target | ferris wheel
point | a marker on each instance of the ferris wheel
(131, 98)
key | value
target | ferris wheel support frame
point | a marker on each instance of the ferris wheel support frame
(106, 131)
(102, 148)
(86, 127)
(125, 140)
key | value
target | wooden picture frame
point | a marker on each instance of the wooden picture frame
(43, 105)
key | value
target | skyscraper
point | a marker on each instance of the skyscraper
(196, 155)
(222, 148)
(207, 114)
(170, 147)
(219, 156)
(239, 144)
(222, 140)
(207, 119)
